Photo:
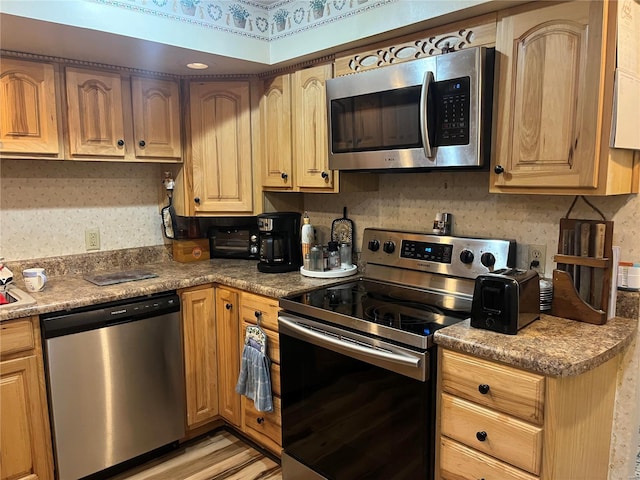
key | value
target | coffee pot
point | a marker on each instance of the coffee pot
(279, 240)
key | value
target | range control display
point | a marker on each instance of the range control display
(433, 252)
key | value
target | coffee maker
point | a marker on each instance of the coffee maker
(280, 249)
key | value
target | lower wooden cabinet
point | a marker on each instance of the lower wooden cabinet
(265, 428)
(227, 321)
(200, 359)
(496, 421)
(25, 437)
(214, 323)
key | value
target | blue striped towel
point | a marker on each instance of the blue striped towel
(254, 380)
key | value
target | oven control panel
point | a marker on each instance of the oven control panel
(465, 257)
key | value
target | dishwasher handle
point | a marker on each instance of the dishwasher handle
(394, 358)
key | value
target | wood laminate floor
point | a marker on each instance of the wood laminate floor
(218, 456)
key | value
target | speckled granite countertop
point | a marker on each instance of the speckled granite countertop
(549, 346)
(71, 290)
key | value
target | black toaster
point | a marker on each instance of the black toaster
(506, 300)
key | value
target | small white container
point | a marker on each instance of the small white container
(629, 277)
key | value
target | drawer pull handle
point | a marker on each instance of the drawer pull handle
(481, 436)
(483, 388)
(260, 420)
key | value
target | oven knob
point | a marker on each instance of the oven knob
(389, 247)
(466, 256)
(374, 245)
(487, 259)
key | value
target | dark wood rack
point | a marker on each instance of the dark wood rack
(592, 268)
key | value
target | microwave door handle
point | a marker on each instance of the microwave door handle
(424, 112)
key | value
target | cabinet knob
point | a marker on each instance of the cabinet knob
(197, 200)
(498, 169)
(228, 306)
(482, 436)
(142, 143)
(284, 175)
(260, 420)
(324, 175)
(483, 388)
(121, 143)
(257, 313)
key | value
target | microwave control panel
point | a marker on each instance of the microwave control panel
(452, 104)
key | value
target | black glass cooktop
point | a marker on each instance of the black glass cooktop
(414, 311)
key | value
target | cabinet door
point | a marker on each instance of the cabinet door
(200, 364)
(156, 118)
(310, 139)
(275, 122)
(221, 147)
(550, 66)
(28, 121)
(23, 431)
(95, 113)
(227, 320)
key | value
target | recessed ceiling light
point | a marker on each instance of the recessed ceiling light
(197, 65)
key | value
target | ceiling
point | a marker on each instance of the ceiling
(22, 34)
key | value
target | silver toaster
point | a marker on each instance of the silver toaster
(506, 300)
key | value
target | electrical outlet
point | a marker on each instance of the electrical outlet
(537, 253)
(92, 238)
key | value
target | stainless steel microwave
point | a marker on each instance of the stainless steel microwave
(429, 113)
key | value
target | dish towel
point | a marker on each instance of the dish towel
(254, 380)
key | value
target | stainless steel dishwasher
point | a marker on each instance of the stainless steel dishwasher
(115, 380)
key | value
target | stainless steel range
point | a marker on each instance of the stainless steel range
(358, 362)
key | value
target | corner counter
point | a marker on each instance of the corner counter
(550, 346)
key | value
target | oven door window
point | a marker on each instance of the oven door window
(347, 419)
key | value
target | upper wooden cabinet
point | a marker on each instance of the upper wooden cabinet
(221, 161)
(293, 122)
(28, 119)
(96, 118)
(110, 116)
(310, 144)
(275, 123)
(156, 118)
(555, 93)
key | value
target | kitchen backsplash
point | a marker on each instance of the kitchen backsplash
(45, 207)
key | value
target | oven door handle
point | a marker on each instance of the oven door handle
(322, 339)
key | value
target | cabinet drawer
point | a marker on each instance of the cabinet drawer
(16, 336)
(273, 342)
(266, 307)
(264, 423)
(507, 438)
(459, 462)
(510, 390)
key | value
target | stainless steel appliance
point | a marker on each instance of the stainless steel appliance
(234, 237)
(358, 362)
(115, 380)
(506, 300)
(433, 112)
(280, 247)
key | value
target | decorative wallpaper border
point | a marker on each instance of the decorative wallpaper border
(249, 18)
